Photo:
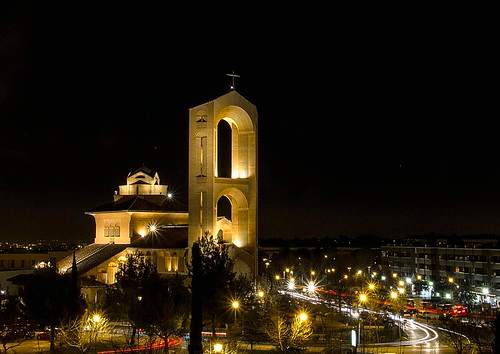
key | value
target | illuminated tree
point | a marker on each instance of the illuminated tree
(288, 334)
(86, 332)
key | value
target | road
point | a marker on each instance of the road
(422, 337)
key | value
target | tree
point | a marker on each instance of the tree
(168, 301)
(217, 275)
(288, 334)
(465, 293)
(496, 332)
(159, 305)
(51, 298)
(454, 337)
(287, 326)
(196, 327)
(124, 297)
(11, 326)
(85, 332)
(254, 315)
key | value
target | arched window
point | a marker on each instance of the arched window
(224, 149)
(224, 208)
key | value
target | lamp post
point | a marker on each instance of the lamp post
(235, 305)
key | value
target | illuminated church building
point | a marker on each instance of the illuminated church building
(146, 217)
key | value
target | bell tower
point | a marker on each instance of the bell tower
(237, 183)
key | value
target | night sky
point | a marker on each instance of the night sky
(386, 129)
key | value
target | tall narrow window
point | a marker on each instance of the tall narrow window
(224, 149)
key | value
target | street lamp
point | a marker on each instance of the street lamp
(218, 348)
(311, 287)
(235, 304)
(96, 318)
(363, 298)
(394, 295)
(450, 280)
(371, 286)
(303, 316)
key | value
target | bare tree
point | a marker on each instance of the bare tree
(452, 334)
(85, 332)
(287, 334)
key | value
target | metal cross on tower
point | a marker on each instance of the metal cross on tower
(233, 76)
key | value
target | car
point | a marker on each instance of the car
(459, 311)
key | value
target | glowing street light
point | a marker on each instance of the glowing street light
(394, 275)
(363, 298)
(170, 195)
(359, 272)
(311, 287)
(303, 316)
(235, 304)
(346, 276)
(401, 290)
(450, 280)
(313, 273)
(260, 294)
(447, 296)
(277, 277)
(96, 318)
(419, 277)
(371, 286)
(383, 277)
(393, 295)
(408, 281)
(218, 348)
(401, 283)
(291, 284)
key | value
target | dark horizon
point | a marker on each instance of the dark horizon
(383, 133)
